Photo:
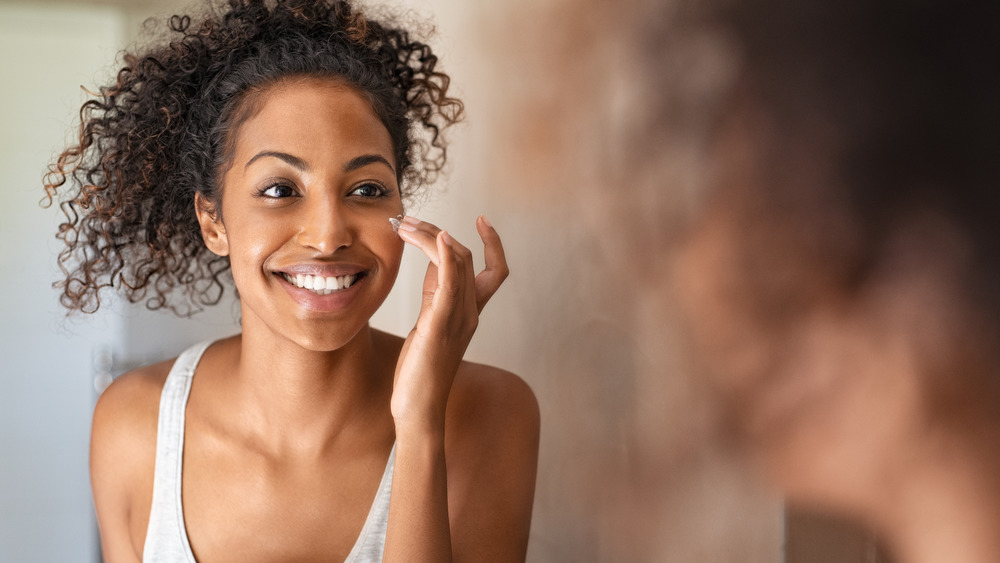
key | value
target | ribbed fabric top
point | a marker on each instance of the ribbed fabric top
(166, 536)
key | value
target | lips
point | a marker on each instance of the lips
(322, 285)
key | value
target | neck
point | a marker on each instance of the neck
(290, 398)
(945, 505)
(922, 467)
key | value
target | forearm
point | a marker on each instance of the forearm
(419, 528)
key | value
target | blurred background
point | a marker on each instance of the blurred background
(632, 464)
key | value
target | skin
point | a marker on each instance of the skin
(289, 425)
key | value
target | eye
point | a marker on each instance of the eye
(370, 190)
(276, 191)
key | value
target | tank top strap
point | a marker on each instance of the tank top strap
(371, 541)
(166, 536)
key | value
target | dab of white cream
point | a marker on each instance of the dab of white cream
(396, 222)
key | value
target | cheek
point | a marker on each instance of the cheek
(249, 246)
(389, 247)
(700, 269)
(727, 344)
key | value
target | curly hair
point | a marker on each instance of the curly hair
(164, 132)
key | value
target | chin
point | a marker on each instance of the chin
(326, 338)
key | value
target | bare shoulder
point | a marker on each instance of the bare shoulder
(131, 403)
(491, 444)
(484, 399)
(122, 458)
(485, 395)
(492, 417)
(123, 434)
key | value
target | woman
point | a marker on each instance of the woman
(276, 141)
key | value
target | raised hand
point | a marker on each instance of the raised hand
(453, 297)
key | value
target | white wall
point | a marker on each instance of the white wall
(45, 362)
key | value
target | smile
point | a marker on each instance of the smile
(321, 285)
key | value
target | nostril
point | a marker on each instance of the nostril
(325, 234)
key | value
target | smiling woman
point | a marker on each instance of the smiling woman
(276, 141)
(312, 174)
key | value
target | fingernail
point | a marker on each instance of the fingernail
(447, 238)
(409, 223)
(486, 221)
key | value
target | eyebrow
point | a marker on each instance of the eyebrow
(366, 159)
(352, 165)
(293, 160)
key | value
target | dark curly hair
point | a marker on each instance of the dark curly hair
(164, 131)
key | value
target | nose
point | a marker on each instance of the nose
(324, 227)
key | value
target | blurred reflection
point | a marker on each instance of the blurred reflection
(813, 185)
(841, 283)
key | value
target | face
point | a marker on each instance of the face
(305, 214)
(815, 380)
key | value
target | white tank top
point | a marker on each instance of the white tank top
(166, 536)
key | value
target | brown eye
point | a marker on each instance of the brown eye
(369, 190)
(277, 191)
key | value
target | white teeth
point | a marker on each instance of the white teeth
(320, 284)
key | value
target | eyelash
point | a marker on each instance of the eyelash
(381, 190)
(262, 192)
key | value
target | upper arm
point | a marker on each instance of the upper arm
(492, 456)
(122, 453)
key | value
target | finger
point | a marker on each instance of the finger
(496, 270)
(449, 275)
(421, 234)
(438, 288)
(465, 271)
(429, 286)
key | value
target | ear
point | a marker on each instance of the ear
(213, 231)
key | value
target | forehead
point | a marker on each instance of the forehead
(315, 119)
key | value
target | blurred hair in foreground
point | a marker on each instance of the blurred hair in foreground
(814, 185)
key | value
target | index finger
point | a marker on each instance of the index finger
(421, 234)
